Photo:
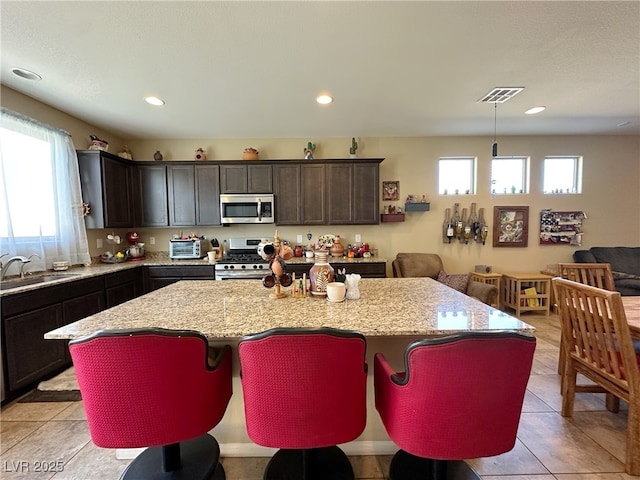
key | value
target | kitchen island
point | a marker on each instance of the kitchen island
(390, 313)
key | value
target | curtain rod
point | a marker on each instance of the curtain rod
(26, 119)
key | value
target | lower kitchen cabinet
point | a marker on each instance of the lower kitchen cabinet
(365, 269)
(161, 276)
(120, 287)
(27, 357)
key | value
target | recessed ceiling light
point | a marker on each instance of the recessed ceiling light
(623, 124)
(535, 110)
(154, 101)
(27, 74)
(324, 99)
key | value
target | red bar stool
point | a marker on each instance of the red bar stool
(304, 393)
(460, 397)
(155, 388)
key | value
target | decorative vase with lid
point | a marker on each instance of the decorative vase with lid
(337, 249)
(321, 274)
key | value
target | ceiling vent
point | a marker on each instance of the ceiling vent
(500, 94)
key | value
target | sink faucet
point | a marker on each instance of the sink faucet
(17, 258)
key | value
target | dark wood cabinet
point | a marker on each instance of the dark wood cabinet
(120, 287)
(300, 194)
(194, 195)
(151, 196)
(26, 317)
(366, 270)
(107, 186)
(161, 276)
(353, 196)
(243, 178)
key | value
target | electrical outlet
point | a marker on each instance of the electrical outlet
(99, 243)
(299, 239)
(152, 240)
(358, 238)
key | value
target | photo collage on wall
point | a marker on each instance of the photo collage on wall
(561, 228)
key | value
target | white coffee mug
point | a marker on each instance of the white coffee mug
(335, 291)
(212, 256)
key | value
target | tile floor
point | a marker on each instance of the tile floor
(588, 446)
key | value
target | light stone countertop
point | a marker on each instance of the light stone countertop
(232, 308)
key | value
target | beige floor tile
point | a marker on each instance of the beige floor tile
(94, 463)
(13, 432)
(606, 429)
(244, 468)
(35, 412)
(366, 467)
(547, 389)
(534, 404)
(75, 411)
(519, 461)
(562, 447)
(53, 444)
(595, 476)
(518, 477)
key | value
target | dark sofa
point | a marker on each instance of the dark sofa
(625, 265)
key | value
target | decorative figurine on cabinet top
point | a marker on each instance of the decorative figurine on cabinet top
(250, 153)
(125, 153)
(97, 144)
(201, 154)
(354, 148)
(308, 151)
(157, 156)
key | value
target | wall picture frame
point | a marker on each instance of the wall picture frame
(391, 190)
(511, 226)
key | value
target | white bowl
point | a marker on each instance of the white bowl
(60, 266)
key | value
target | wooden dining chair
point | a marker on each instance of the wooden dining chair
(599, 346)
(597, 275)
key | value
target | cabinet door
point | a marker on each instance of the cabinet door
(207, 195)
(340, 193)
(151, 201)
(233, 178)
(366, 194)
(117, 182)
(313, 197)
(286, 180)
(29, 356)
(182, 195)
(259, 179)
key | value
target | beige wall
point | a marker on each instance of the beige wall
(611, 189)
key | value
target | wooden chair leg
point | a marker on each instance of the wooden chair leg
(632, 463)
(569, 379)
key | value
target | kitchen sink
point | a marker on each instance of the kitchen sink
(31, 280)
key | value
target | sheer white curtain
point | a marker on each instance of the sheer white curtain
(40, 198)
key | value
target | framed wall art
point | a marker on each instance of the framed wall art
(561, 228)
(510, 226)
(391, 190)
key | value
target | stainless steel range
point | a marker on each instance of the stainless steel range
(241, 261)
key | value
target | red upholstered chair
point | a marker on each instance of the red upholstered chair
(155, 388)
(459, 397)
(304, 393)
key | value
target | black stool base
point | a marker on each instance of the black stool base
(405, 466)
(312, 464)
(199, 461)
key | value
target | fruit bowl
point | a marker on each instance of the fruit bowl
(113, 258)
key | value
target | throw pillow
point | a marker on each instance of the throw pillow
(457, 281)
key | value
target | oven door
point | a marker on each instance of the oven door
(238, 208)
(241, 274)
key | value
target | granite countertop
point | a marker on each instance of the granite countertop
(233, 308)
(151, 259)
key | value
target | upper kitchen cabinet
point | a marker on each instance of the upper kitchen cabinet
(151, 195)
(106, 182)
(194, 195)
(244, 178)
(353, 193)
(300, 194)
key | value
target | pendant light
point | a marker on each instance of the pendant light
(494, 147)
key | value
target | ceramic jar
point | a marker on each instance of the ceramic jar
(337, 249)
(321, 274)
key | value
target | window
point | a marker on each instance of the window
(41, 209)
(457, 175)
(562, 175)
(509, 175)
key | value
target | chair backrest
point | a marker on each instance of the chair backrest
(150, 387)
(304, 388)
(597, 337)
(417, 265)
(460, 396)
(594, 274)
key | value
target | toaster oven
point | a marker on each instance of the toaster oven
(185, 249)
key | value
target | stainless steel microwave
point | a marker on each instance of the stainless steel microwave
(247, 208)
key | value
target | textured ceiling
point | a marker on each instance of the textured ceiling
(252, 69)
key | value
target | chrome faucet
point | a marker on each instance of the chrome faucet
(17, 258)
